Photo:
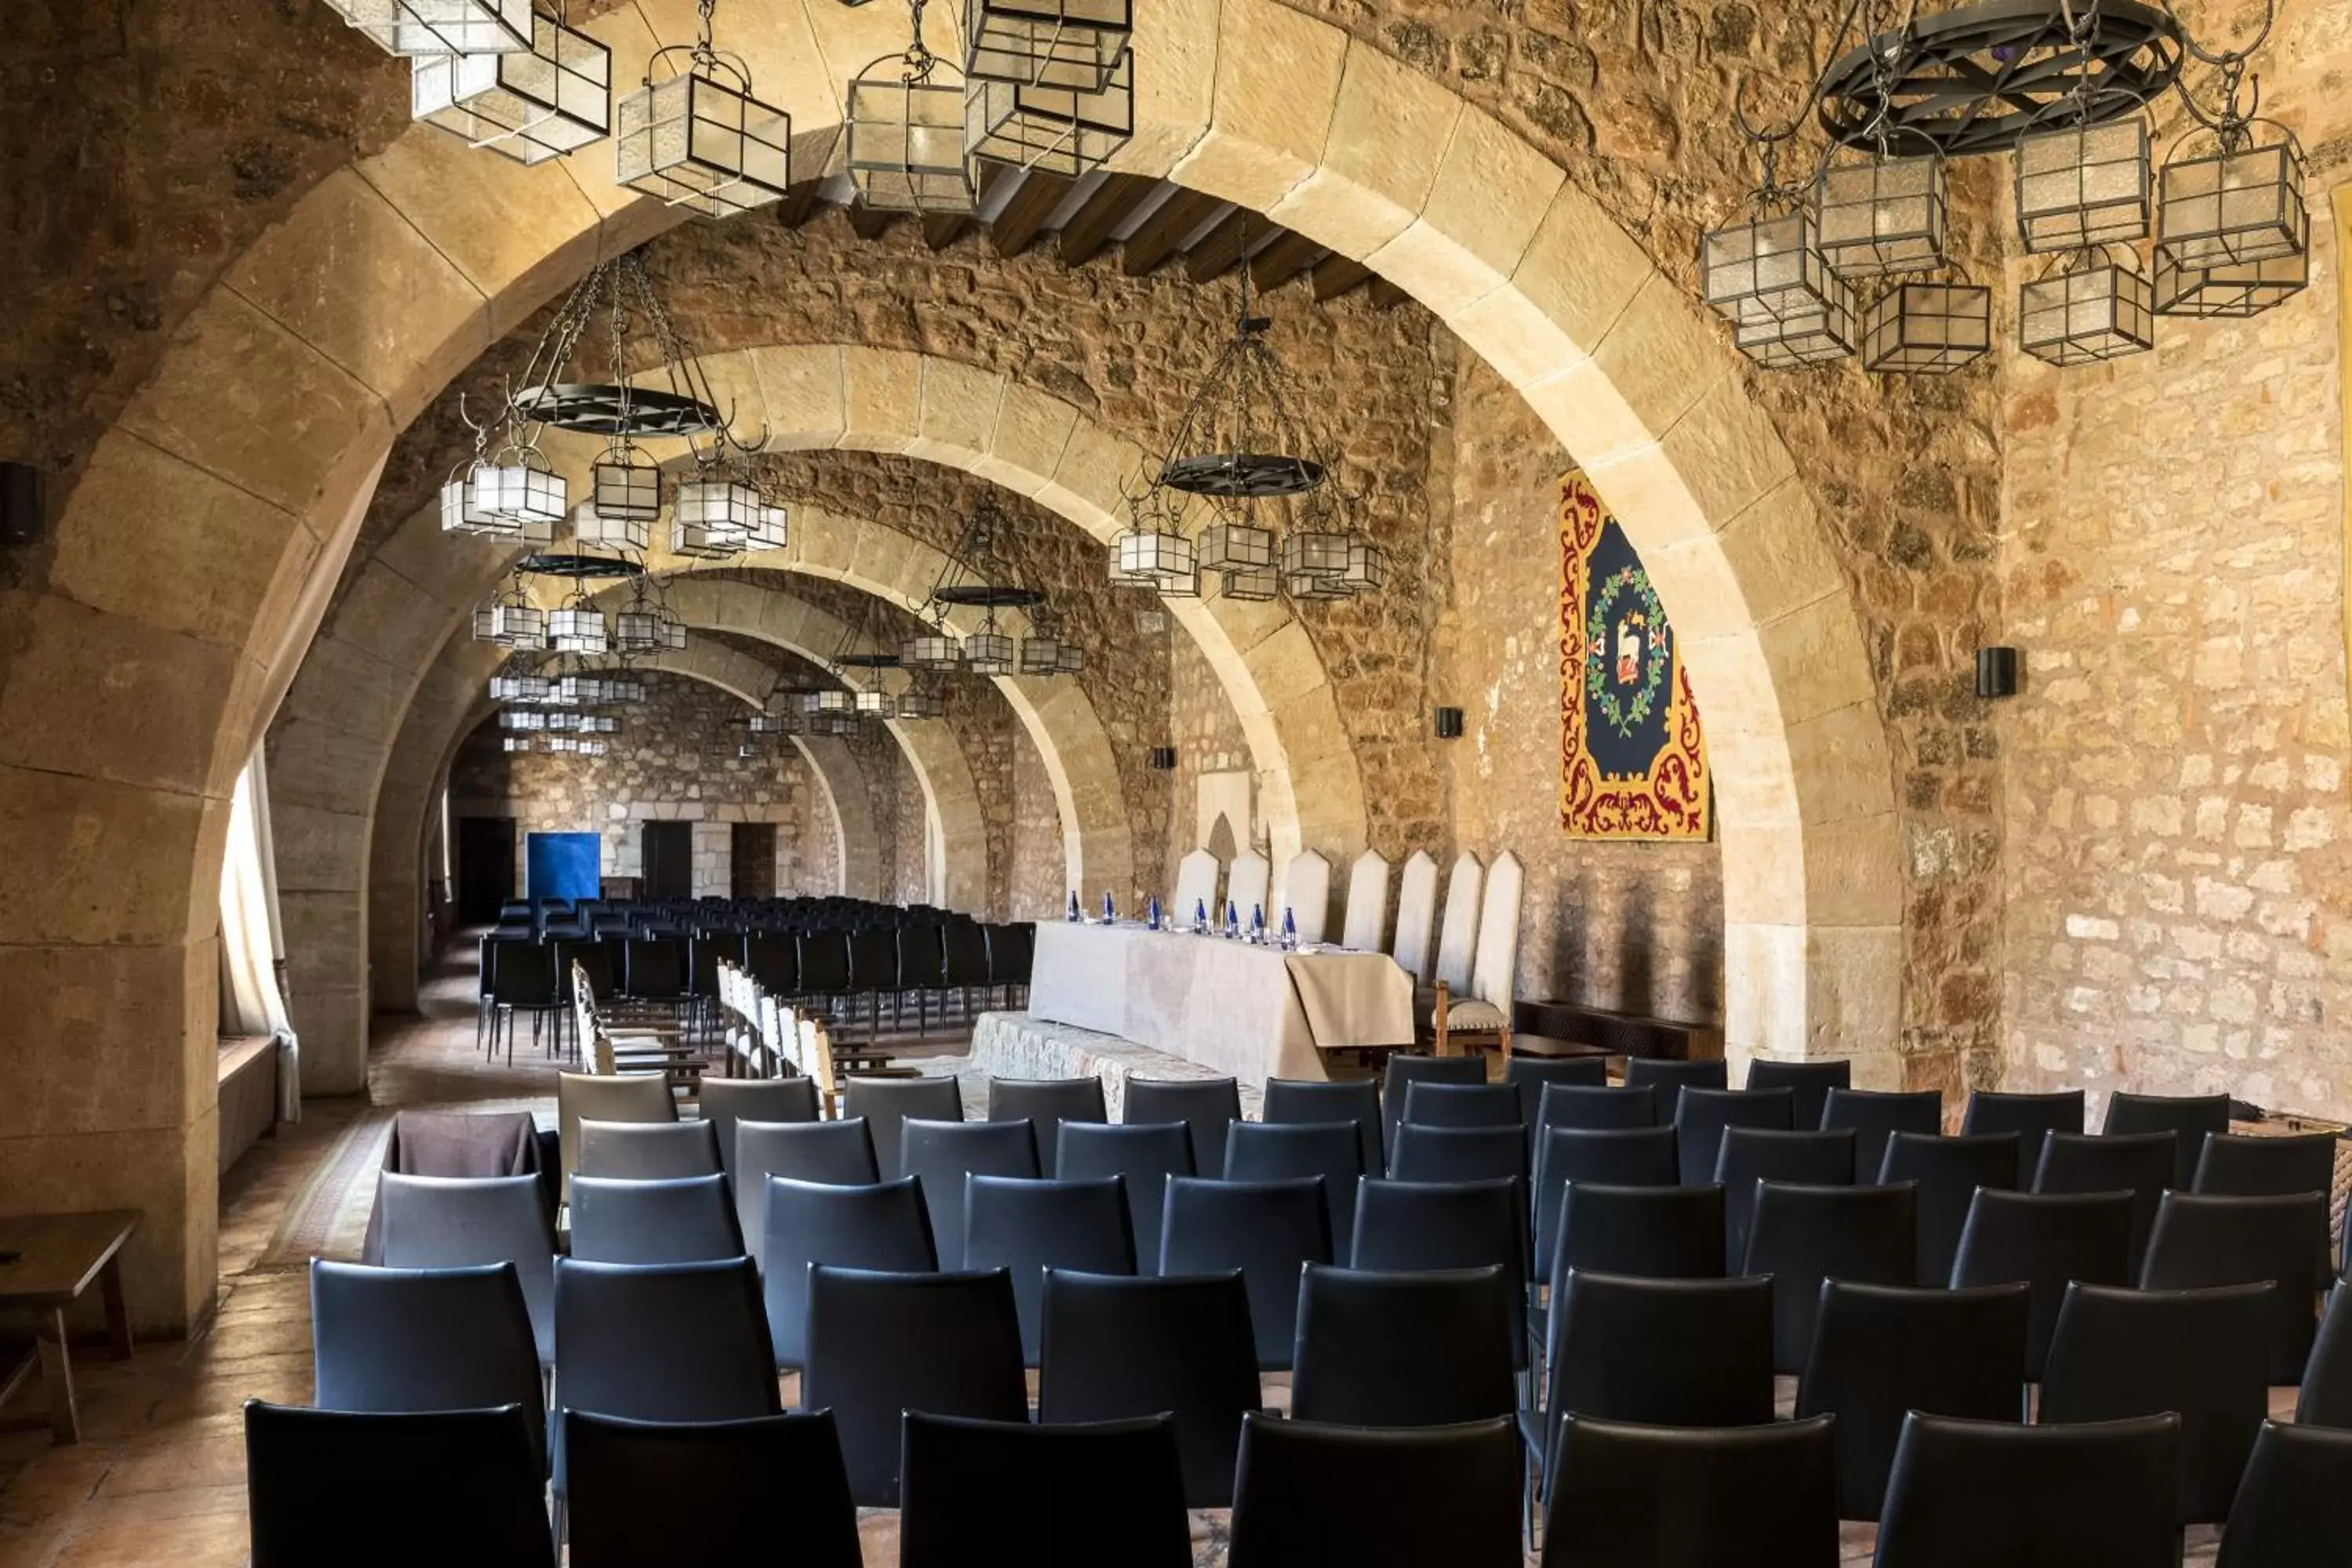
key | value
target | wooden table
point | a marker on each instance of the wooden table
(59, 1255)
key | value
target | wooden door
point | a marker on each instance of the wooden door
(668, 861)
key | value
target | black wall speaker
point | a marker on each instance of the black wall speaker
(23, 500)
(1449, 724)
(1163, 759)
(1996, 672)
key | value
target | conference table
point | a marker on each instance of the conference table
(1250, 1010)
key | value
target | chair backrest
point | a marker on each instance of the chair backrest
(1598, 1106)
(964, 948)
(1416, 918)
(1196, 887)
(1966, 1493)
(887, 1103)
(648, 1151)
(2027, 1115)
(922, 960)
(1611, 1156)
(1143, 1156)
(882, 1343)
(1327, 1151)
(1634, 1496)
(1434, 1104)
(2256, 1166)
(750, 1482)
(1029, 1227)
(1367, 917)
(1459, 1154)
(881, 1228)
(1457, 928)
(1702, 1114)
(1246, 881)
(1307, 895)
(1356, 1100)
(1651, 1233)
(454, 1222)
(1425, 1348)
(2216, 1240)
(1119, 1346)
(391, 1340)
(1401, 1498)
(2190, 1116)
(1876, 1115)
(822, 958)
(2140, 1163)
(837, 1153)
(1268, 1230)
(2325, 1399)
(726, 1102)
(680, 1220)
(1012, 953)
(685, 1341)
(1405, 1068)
(1495, 959)
(1532, 1074)
(1810, 1081)
(1046, 1104)
(1206, 1106)
(1802, 1235)
(2201, 1354)
(420, 1480)
(2290, 1506)
(944, 1152)
(522, 974)
(600, 1097)
(1948, 1172)
(1882, 1350)
(1672, 1075)
(1748, 1156)
(1408, 1226)
(1116, 1486)
(2047, 1240)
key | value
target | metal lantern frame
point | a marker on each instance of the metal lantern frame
(462, 511)
(921, 705)
(713, 517)
(415, 28)
(1885, 215)
(1227, 546)
(1928, 326)
(2228, 291)
(907, 147)
(578, 626)
(699, 137)
(1241, 437)
(2239, 203)
(2089, 306)
(2084, 185)
(625, 485)
(934, 650)
(530, 104)
(1063, 131)
(1250, 585)
(1073, 44)
(592, 524)
(1767, 277)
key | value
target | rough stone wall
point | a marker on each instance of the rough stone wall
(907, 876)
(1039, 868)
(1633, 926)
(2180, 873)
(675, 759)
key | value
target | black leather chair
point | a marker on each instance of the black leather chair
(944, 1152)
(1964, 1494)
(1875, 1116)
(1406, 1069)
(1458, 1154)
(1074, 1496)
(2189, 1117)
(1434, 1104)
(921, 967)
(1417, 1225)
(1748, 1156)
(1207, 1106)
(773, 958)
(1275, 1151)
(729, 1101)
(1880, 1351)
(1011, 953)
(1948, 1172)
(2289, 1510)
(684, 1219)
(2140, 1163)
(1810, 1082)
(882, 1227)
(1143, 1156)
(2205, 1240)
(1268, 1230)
(873, 972)
(1404, 1498)
(1803, 1235)
(420, 1481)
(1677, 1497)
(2030, 1116)
(1356, 1100)
(1702, 1114)
(889, 1103)
(1531, 1075)
(964, 948)
(1427, 1348)
(2203, 1355)
(750, 1481)
(522, 980)
(837, 1153)
(1597, 1107)
(2047, 1241)
(391, 1341)
(654, 971)
(2271, 1167)
(1030, 1227)
(648, 1151)
(881, 1344)
(1611, 1156)
(1045, 1104)
(1670, 1077)
(455, 1222)
(821, 966)
(2325, 1399)
(1652, 1233)
(1118, 1346)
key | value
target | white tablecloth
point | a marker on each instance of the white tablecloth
(1253, 1011)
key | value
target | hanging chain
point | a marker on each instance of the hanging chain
(919, 57)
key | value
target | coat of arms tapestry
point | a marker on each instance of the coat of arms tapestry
(1631, 762)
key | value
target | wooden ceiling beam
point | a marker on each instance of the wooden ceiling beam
(1291, 253)
(1090, 228)
(1025, 214)
(1221, 248)
(1336, 275)
(1165, 229)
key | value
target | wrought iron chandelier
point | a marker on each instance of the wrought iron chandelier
(980, 575)
(1855, 260)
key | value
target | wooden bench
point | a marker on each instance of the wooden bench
(57, 1256)
(1617, 1033)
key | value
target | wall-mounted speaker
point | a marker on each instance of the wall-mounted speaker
(23, 500)
(1997, 672)
(1163, 759)
(1449, 724)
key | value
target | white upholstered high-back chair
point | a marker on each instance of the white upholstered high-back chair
(1457, 933)
(1196, 886)
(1480, 1015)
(1416, 915)
(1307, 894)
(1245, 886)
(1368, 903)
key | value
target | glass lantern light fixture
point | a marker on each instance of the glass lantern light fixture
(1767, 276)
(2238, 202)
(715, 516)
(988, 651)
(578, 626)
(625, 485)
(2229, 290)
(1928, 326)
(696, 136)
(530, 104)
(933, 649)
(2084, 185)
(2090, 305)
(907, 146)
(920, 705)
(1066, 130)
(1883, 215)
(1046, 43)
(427, 28)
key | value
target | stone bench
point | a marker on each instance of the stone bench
(1015, 1044)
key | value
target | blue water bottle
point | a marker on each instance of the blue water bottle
(1153, 913)
(1200, 917)
(1289, 929)
(1257, 922)
(1110, 911)
(1233, 919)
(1073, 917)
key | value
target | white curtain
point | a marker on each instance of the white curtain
(250, 1002)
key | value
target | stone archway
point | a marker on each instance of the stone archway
(141, 675)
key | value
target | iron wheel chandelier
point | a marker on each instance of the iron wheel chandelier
(979, 575)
